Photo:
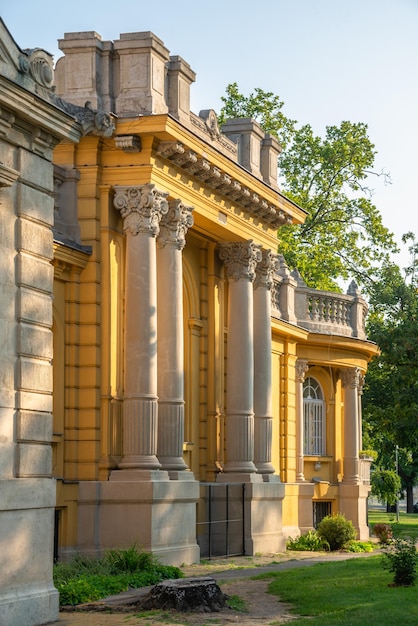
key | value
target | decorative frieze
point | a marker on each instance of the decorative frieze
(240, 258)
(175, 224)
(141, 208)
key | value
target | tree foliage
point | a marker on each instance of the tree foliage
(343, 235)
(390, 398)
(386, 485)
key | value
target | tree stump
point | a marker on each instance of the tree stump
(186, 594)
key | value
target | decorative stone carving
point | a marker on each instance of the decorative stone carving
(175, 224)
(266, 269)
(351, 377)
(301, 368)
(240, 259)
(92, 121)
(38, 64)
(141, 208)
(209, 116)
(128, 143)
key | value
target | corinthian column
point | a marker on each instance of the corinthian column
(141, 208)
(263, 419)
(171, 241)
(351, 382)
(301, 369)
(240, 262)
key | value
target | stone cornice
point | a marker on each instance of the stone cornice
(221, 182)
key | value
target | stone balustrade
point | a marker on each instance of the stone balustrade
(318, 311)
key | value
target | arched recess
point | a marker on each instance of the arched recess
(326, 379)
(192, 333)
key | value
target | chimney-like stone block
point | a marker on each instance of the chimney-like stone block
(180, 76)
(85, 72)
(270, 150)
(248, 134)
(141, 75)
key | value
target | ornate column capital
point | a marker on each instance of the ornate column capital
(240, 258)
(141, 208)
(266, 269)
(351, 377)
(301, 368)
(175, 224)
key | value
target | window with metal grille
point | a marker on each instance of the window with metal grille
(320, 510)
(313, 418)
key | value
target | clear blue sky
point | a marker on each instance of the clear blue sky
(329, 60)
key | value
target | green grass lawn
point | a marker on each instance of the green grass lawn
(407, 525)
(355, 592)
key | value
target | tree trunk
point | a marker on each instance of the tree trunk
(409, 498)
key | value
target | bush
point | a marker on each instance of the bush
(383, 532)
(337, 531)
(310, 542)
(359, 546)
(400, 558)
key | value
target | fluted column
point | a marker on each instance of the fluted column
(170, 243)
(301, 369)
(351, 381)
(141, 208)
(263, 418)
(360, 412)
(240, 261)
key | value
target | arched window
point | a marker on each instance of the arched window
(313, 418)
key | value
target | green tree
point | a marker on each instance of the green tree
(390, 398)
(386, 485)
(343, 235)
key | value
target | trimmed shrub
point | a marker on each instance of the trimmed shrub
(337, 531)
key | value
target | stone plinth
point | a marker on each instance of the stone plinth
(159, 516)
(353, 504)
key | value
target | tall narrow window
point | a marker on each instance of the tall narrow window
(313, 418)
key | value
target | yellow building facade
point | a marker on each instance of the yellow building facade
(194, 375)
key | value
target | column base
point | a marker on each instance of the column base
(183, 475)
(238, 477)
(158, 516)
(271, 478)
(133, 475)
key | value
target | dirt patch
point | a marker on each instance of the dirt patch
(261, 608)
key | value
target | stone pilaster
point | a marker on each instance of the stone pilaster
(141, 208)
(170, 350)
(263, 418)
(240, 263)
(351, 381)
(301, 369)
